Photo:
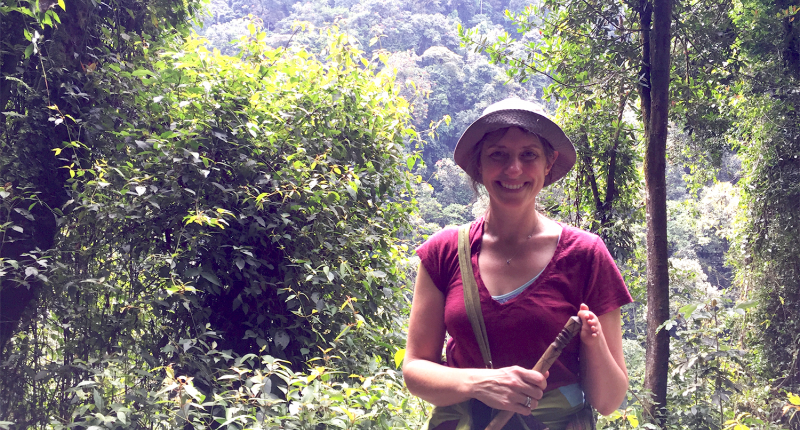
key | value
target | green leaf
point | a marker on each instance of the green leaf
(98, 400)
(687, 310)
(746, 305)
(192, 391)
(210, 277)
(342, 333)
(398, 357)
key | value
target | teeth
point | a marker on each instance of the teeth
(512, 187)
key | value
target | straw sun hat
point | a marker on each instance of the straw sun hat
(528, 116)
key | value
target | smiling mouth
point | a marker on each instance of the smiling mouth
(512, 186)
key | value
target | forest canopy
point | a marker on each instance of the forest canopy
(217, 229)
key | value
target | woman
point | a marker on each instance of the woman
(532, 273)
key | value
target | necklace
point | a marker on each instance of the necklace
(508, 262)
(527, 238)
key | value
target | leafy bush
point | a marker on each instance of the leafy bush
(251, 391)
(238, 206)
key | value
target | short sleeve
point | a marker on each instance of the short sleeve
(438, 255)
(605, 289)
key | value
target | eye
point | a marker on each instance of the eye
(529, 155)
(497, 155)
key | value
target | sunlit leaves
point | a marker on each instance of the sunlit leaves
(273, 170)
(399, 356)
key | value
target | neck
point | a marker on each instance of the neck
(513, 226)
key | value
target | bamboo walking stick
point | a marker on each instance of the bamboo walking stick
(569, 331)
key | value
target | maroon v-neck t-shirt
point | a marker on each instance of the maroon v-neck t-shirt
(520, 330)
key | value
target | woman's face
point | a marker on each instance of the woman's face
(513, 168)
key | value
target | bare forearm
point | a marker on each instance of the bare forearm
(510, 388)
(603, 373)
(604, 381)
(436, 383)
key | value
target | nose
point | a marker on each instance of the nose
(514, 166)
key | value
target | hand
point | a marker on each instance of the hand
(591, 330)
(509, 388)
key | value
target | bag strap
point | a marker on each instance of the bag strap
(472, 299)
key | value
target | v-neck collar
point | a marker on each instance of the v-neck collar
(484, 292)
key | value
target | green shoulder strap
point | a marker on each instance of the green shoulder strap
(471, 297)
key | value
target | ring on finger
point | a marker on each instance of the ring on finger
(528, 402)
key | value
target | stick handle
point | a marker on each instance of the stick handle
(569, 331)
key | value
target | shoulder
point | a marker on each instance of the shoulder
(443, 238)
(576, 239)
(446, 240)
(437, 251)
(439, 256)
(582, 246)
(585, 255)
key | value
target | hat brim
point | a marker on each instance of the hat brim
(526, 120)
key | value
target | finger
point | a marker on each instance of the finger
(516, 403)
(588, 317)
(535, 379)
(528, 403)
(593, 325)
(534, 393)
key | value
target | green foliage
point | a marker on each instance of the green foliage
(452, 184)
(602, 192)
(239, 205)
(229, 254)
(49, 52)
(766, 255)
(768, 139)
(251, 392)
(589, 63)
(419, 39)
(709, 373)
(701, 229)
(446, 199)
(711, 386)
(284, 180)
(591, 52)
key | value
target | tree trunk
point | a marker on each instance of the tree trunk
(39, 233)
(656, 122)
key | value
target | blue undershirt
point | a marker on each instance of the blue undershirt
(508, 296)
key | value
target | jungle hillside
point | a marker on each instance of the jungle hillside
(209, 210)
